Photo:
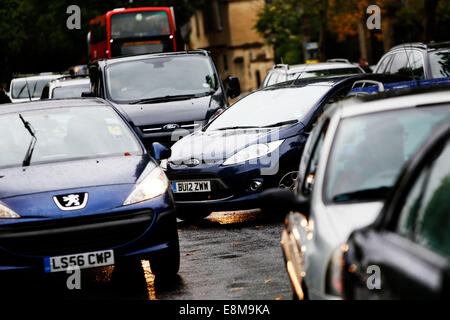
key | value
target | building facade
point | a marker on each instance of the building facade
(226, 28)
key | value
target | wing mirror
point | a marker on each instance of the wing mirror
(87, 94)
(160, 151)
(282, 201)
(234, 87)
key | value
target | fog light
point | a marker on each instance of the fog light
(255, 185)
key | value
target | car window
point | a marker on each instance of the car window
(411, 206)
(274, 78)
(415, 64)
(65, 134)
(384, 63)
(66, 92)
(433, 221)
(369, 150)
(308, 180)
(440, 63)
(399, 64)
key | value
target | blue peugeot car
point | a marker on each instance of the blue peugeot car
(254, 145)
(79, 190)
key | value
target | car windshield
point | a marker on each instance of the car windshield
(20, 86)
(132, 81)
(369, 150)
(70, 91)
(323, 73)
(268, 107)
(440, 63)
(65, 134)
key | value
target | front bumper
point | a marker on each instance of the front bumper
(133, 232)
(230, 185)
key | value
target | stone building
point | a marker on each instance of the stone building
(226, 28)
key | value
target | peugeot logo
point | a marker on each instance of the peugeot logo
(171, 126)
(73, 201)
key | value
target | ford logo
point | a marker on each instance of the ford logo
(171, 126)
(192, 162)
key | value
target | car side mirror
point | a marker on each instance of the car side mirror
(160, 151)
(87, 94)
(282, 201)
(234, 87)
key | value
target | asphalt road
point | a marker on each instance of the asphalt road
(228, 256)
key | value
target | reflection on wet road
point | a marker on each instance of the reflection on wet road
(229, 255)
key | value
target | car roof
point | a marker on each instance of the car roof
(320, 66)
(423, 46)
(64, 82)
(51, 104)
(38, 77)
(411, 98)
(109, 61)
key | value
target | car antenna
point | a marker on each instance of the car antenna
(409, 64)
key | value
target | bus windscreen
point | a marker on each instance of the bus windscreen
(141, 24)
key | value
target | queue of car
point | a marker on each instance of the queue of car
(321, 144)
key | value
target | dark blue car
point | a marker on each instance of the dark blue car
(254, 145)
(78, 189)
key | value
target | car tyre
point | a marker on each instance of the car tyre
(166, 263)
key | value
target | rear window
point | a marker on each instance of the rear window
(440, 64)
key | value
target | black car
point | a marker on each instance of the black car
(408, 247)
(164, 96)
(424, 61)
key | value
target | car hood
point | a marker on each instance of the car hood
(218, 145)
(166, 112)
(40, 178)
(345, 218)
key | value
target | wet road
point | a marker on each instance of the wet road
(229, 256)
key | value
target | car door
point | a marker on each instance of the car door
(412, 254)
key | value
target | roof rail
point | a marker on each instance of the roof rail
(339, 60)
(281, 66)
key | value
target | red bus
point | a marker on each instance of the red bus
(123, 32)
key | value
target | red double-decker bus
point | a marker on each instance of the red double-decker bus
(123, 32)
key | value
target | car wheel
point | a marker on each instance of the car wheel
(192, 215)
(166, 262)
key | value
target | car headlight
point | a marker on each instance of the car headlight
(7, 213)
(253, 152)
(155, 184)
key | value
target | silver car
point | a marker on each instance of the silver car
(349, 165)
(29, 88)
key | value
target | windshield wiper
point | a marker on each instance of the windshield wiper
(282, 123)
(238, 127)
(171, 98)
(29, 154)
(366, 194)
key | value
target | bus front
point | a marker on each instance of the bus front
(141, 30)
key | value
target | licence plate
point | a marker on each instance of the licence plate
(81, 261)
(191, 186)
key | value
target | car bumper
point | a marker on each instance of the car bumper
(133, 232)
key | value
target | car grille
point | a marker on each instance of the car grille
(191, 125)
(74, 235)
(219, 189)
